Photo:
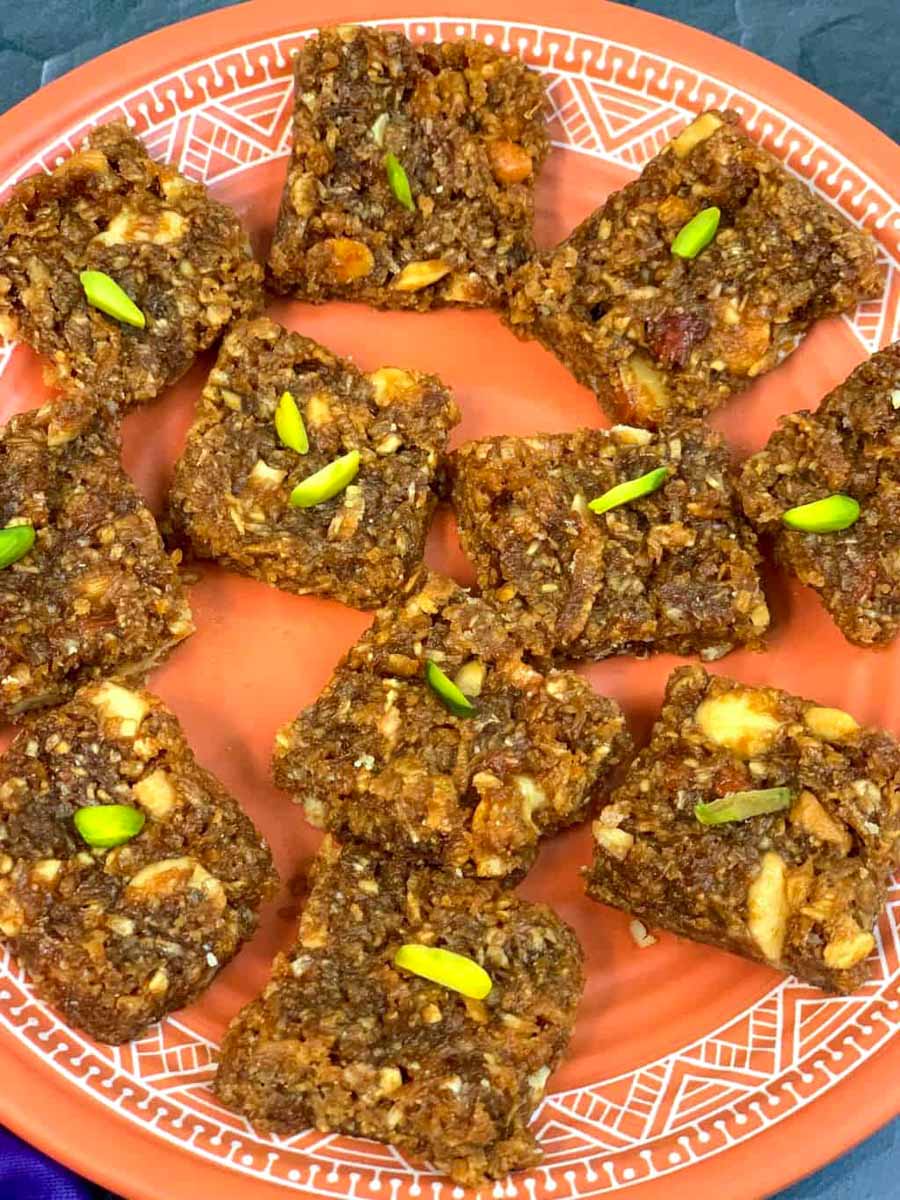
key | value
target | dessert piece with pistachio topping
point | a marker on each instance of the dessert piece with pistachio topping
(434, 738)
(758, 822)
(411, 179)
(86, 586)
(304, 472)
(128, 875)
(694, 279)
(119, 270)
(417, 1008)
(826, 490)
(612, 542)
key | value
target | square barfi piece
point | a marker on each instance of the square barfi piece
(231, 494)
(115, 936)
(411, 178)
(850, 446)
(674, 570)
(380, 758)
(655, 334)
(343, 1039)
(797, 871)
(180, 256)
(95, 593)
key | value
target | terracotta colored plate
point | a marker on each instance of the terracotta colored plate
(691, 1073)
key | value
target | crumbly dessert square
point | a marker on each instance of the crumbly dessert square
(232, 486)
(379, 757)
(342, 1039)
(182, 257)
(799, 888)
(96, 594)
(849, 446)
(673, 570)
(116, 938)
(655, 335)
(465, 125)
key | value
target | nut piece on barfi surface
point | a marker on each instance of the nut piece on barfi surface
(180, 256)
(115, 937)
(411, 179)
(231, 493)
(344, 1040)
(655, 334)
(673, 570)
(379, 757)
(96, 594)
(799, 882)
(850, 446)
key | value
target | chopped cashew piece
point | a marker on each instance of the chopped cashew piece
(418, 275)
(119, 704)
(810, 816)
(156, 794)
(161, 228)
(391, 384)
(617, 842)
(741, 720)
(767, 906)
(698, 131)
(844, 952)
(831, 724)
(265, 476)
(645, 388)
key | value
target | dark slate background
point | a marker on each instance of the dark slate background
(849, 48)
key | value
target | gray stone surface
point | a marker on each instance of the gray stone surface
(849, 48)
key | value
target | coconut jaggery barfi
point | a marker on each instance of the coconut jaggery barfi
(799, 882)
(849, 447)
(655, 334)
(91, 592)
(117, 934)
(232, 489)
(411, 178)
(344, 1039)
(180, 256)
(379, 757)
(675, 569)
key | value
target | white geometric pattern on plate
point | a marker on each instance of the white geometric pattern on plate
(218, 117)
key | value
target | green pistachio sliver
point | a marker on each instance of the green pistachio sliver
(106, 825)
(289, 424)
(828, 515)
(631, 489)
(697, 233)
(327, 483)
(399, 181)
(105, 294)
(450, 970)
(15, 542)
(451, 696)
(379, 125)
(738, 806)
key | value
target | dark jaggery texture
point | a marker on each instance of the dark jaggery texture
(343, 1040)
(851, 444)
(467, 124)
(181, 256)
(800, 889)
(655, 335)
(378, 757)
(232, 485)
(115, 939)
(676, 570)
(97, 594)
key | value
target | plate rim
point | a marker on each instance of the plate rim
(35, 120)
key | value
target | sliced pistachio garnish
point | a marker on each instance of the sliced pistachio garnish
(106, 825)
(399, 181)
(738, 806)
(828, 515)
(379, 125)
(450, 970)
(105, 294)
(289, 424)
(15, 542)
(327, 483)
(631, 489)
(451, 696)
(697, 233)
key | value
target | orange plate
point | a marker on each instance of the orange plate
(691, 1073)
